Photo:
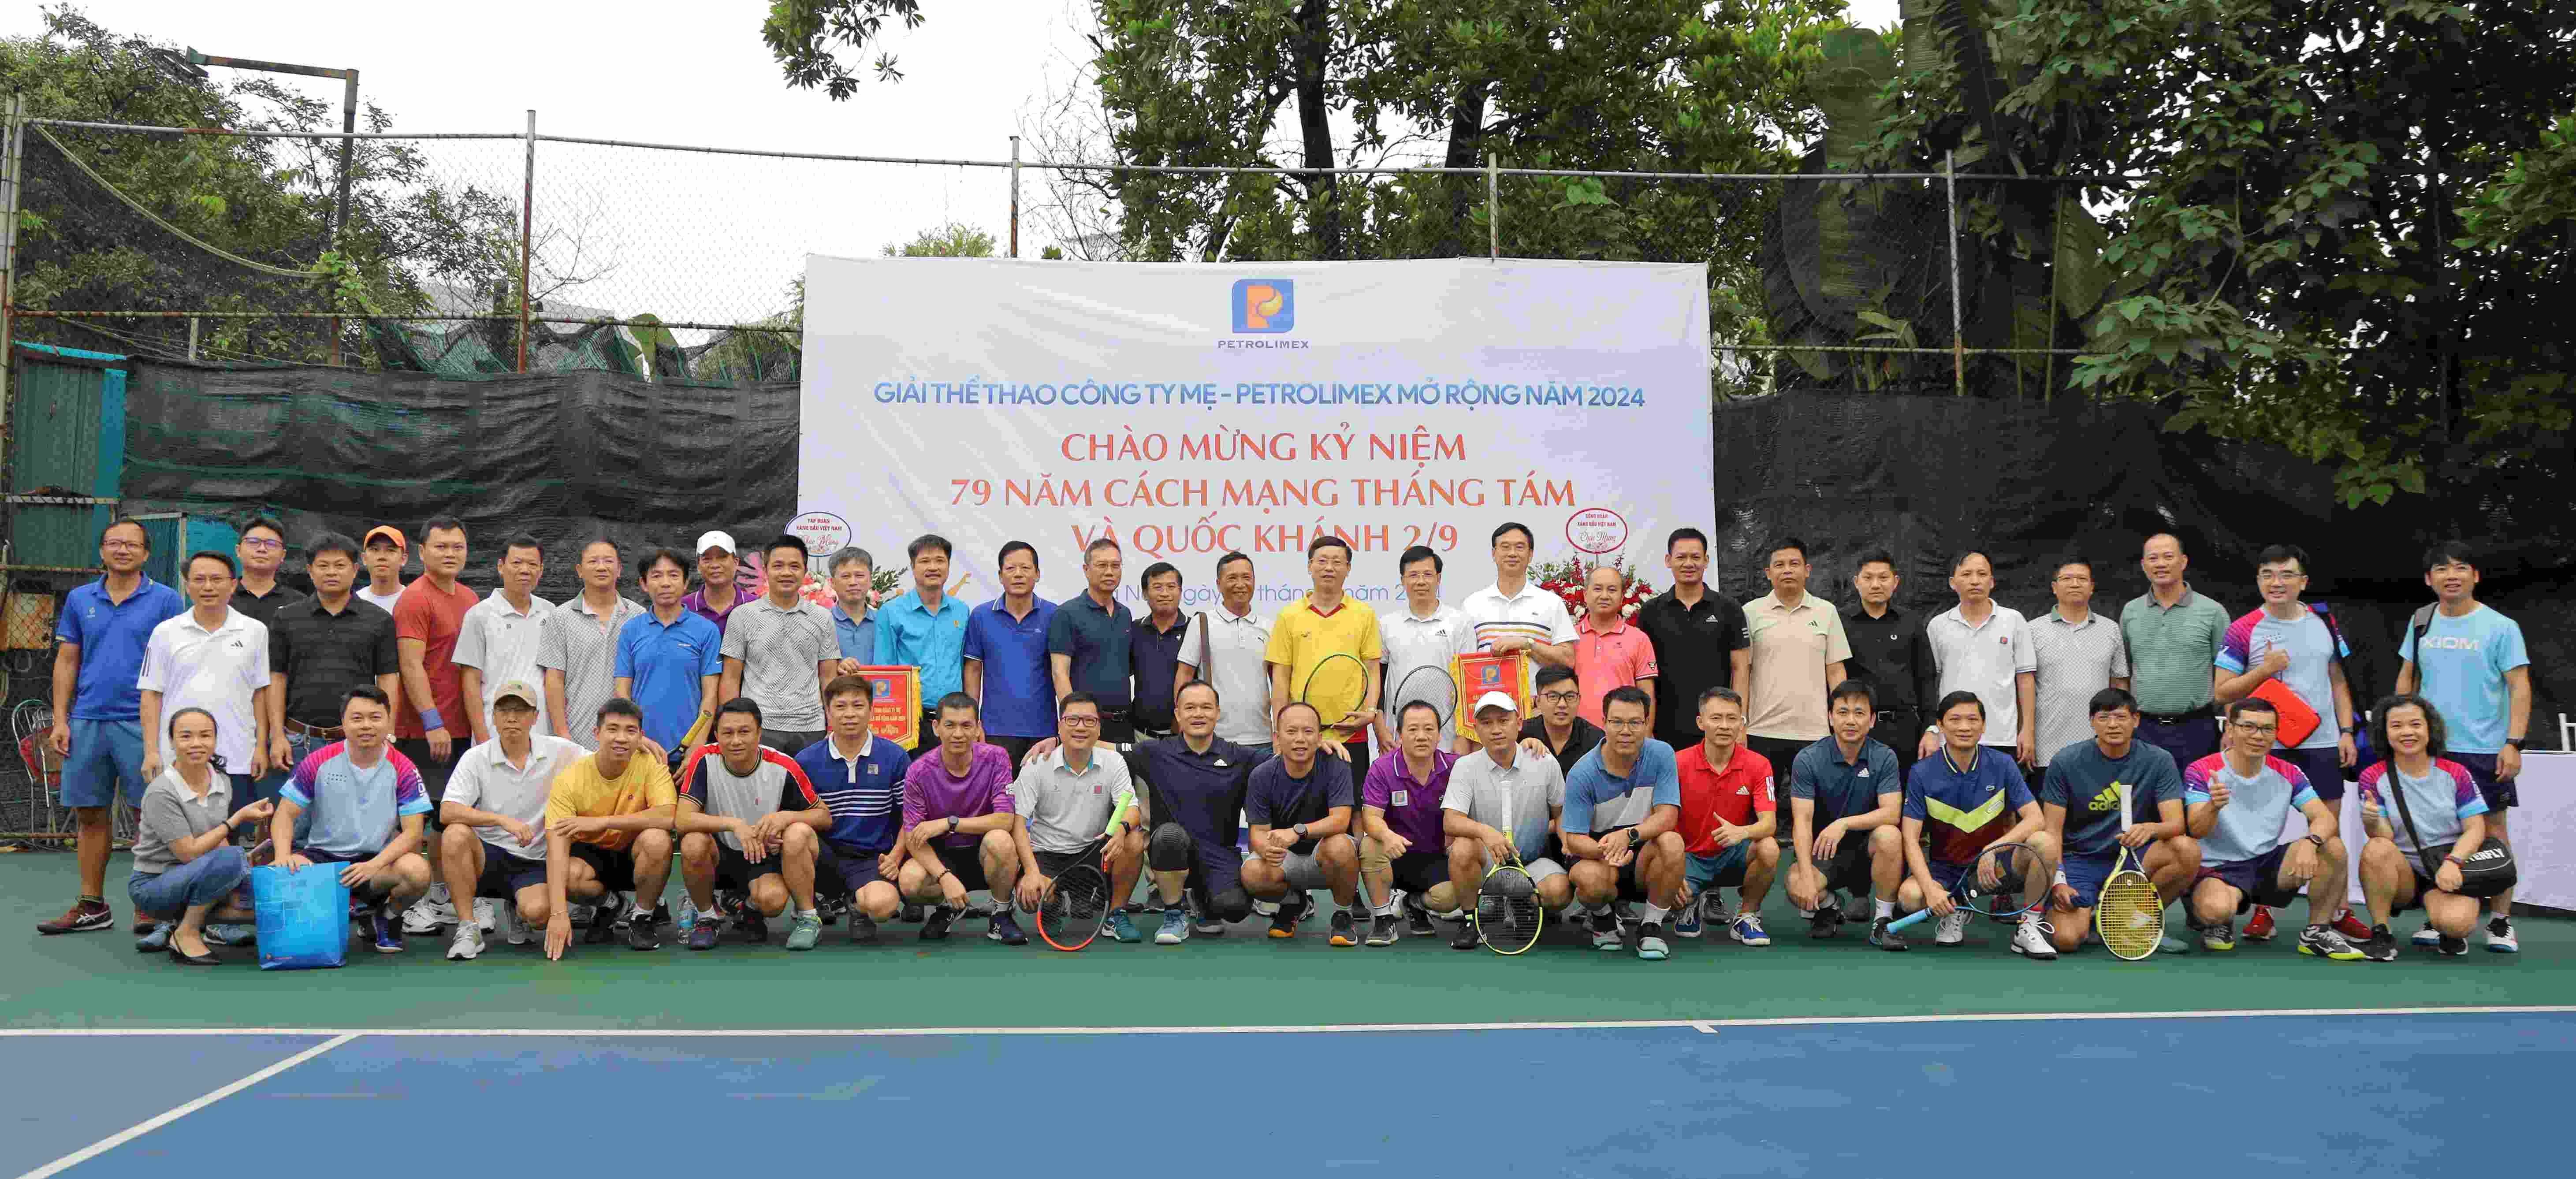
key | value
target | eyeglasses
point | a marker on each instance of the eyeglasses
(1079, 722)
(1559, 697)
(262, 544)
(122, 546)
(2278, 576)
(2258, 730)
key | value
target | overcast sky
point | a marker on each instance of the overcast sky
(689, 74)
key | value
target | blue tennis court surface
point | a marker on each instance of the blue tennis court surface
(2334, 1093)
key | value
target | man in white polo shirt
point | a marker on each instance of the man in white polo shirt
(1503, 798)
(215, 658)
(492, 840)
(1425, 634)
(1227, 647)
(501, 637)
(1513, 615)
(1984, 647)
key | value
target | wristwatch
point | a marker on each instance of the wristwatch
(952, 824)
(1301, 831)
(2515, 743)
(2348, 730)
(2317, 840)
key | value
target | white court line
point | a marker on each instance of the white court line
(107, 1144)
(1703, 1025)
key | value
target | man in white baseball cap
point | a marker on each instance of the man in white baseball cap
(719, 579)
(1503, 800)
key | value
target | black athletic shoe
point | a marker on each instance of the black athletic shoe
(935, 926)
(1382, 931)
(1417, 919)
(1283, 924)
(1466, 938)
(2452, 947)
(2382, 945)
(755, 927)
(863, 928)
(1827, 922)
(640, 935)
(1344, 933)
(912, 912)
(603, 924)
(830, 908)
(1883, 937)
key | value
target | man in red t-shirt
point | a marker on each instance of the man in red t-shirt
(429, 720)
(1727, 820)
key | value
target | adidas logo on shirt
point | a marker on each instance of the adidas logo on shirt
(2108, 800)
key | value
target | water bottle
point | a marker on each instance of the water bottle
(687, 918)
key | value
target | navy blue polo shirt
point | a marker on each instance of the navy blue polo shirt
(1841, 789)
(1157, 658)
(1019, 685)
(111, 636)
(1099, 642)
(1203, 792)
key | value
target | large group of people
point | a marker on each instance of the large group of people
(501, 763)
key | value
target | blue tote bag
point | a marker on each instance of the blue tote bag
(303, 917)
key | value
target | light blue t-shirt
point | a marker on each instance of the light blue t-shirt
(2258, 808)
(1598, 801)
(2312, 654)
(2461, 670)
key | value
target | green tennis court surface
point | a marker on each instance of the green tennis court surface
(97, 980)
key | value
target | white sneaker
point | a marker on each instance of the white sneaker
(2426, 938)
(2031, 940)
(467, 943)
(421, 917)
(2500, 937)
(1951, 930)
(483, 914)
(513, 930)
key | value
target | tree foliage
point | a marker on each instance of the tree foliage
(953, 240)
(2326, 225)
(269, 200)
(806, 36)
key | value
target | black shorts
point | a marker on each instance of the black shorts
(2257, 881)
(1630, 888)
(1848, 870)
(2324, 771)
(2482, 770)
(1052, 864)
(1417, 872)
(505, 874)
(1017, 747)
(855, 868)
(615, 869)
(433, 772)
(967, 864)
(735, 870)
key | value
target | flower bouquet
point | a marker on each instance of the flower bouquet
(1565, 578)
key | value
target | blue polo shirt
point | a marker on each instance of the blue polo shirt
(667, 663)
(111, 636)
(864, 793)
(1019, 687)
(1098, 642)
(910, 636)
(858, 639)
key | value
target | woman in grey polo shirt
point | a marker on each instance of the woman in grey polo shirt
(186, 868)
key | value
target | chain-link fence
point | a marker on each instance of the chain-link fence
(520, 251)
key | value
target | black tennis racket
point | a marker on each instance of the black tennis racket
(1077, 903)
(1336, 688)
(1427, 685)
(1508, 915)
(1992, 885)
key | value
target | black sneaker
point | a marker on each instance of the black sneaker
(603, 924)
(863, 928)
(1883, 937)
(1283, 924)
(1344, 931)
(2382, 946)
(2452, 946)
(831, 907)
(1827, 922)
(755, 927)
(1417, 919)
(935, 926)
(640, 934)
(1382, 930)
(912, 912)
(1466, 938)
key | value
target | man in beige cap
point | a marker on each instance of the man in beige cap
(493, 846)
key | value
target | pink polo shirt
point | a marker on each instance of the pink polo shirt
(1603, 660)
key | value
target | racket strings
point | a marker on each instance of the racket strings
(2130, 916)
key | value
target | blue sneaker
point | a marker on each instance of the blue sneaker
(1686, 922)
(1176, 927)
(1005, 928)
(157, 938)
(229, 933)
(1747, 928)
(1123, 928)
(388, 930)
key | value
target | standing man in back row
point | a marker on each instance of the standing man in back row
(1888, 652)
(781, 652)
(1513, 615)
(2469, 661)
(1324, 623)
(2173, 635)
(1225, 647)
(926, 629)
(1699, 638)
(1799, 652)
(1006, 657)
(2293, 647)
(98, 732)
(1983, 646)
(1090, 644)
(430, 722)
(500, 640)
(720, 591)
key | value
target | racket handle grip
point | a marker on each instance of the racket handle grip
(1916, 917)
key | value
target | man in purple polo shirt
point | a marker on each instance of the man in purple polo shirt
(960, 829)
(720, 588)
(1401, 807)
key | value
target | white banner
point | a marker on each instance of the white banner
(1191, 410)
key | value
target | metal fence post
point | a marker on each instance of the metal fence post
(527, 222)
(1015, 196)
(1958, 344)
(1493, 207)
(13, 186)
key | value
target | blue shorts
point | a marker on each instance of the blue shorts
(2482, 770)
(1724, 870)
(107, 755)
(2257, 881)
(2085, 875)
(2324, 768)
(1948, 875)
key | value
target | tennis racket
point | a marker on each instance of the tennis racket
(2129, 914)
(1427, 685)
(1508, 915)
(1077, 903)
(2002, 900)
(1336, 688)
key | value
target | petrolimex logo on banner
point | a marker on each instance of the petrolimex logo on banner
(1264, 307)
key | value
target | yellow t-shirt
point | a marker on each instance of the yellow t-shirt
(581, 793)
(1302, 638)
